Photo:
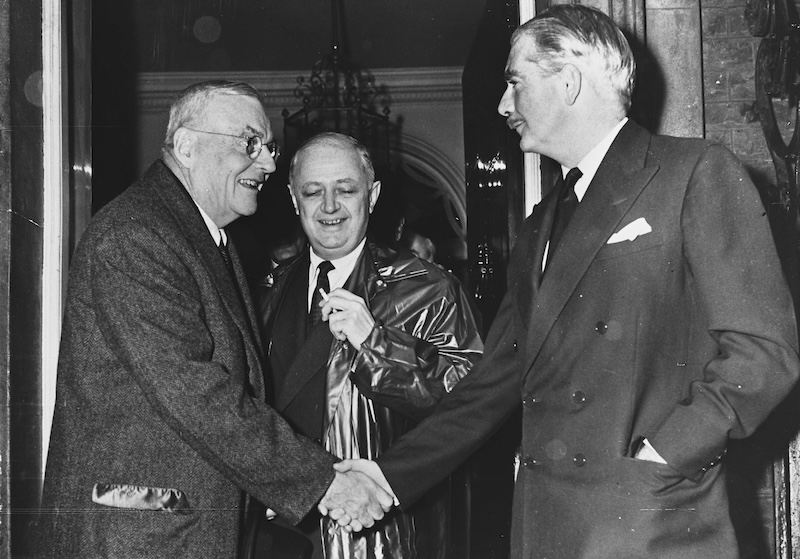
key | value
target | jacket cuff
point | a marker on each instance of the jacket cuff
(689, 443)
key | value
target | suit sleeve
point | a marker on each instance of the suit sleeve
(165, 323)
(410, 371)
(464, 419)
(739, 288)
(479, 404)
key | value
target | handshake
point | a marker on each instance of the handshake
(358, 496)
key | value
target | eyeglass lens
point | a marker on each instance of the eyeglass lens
(255, 144)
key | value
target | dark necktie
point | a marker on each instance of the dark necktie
(226, 256)
(315, 312)
(565, 207)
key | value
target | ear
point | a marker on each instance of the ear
(374, 192)
(573, 81)
(294, 200)
(184, 143)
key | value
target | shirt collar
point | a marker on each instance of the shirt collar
(591, 161)
(216, 232)
(343, 266)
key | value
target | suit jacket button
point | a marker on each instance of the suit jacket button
(579, 398)
(530, 401)
(601, 328)
(515, 345)
(530, 462)
(579, 460)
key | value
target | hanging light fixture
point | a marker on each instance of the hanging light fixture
(339, 96)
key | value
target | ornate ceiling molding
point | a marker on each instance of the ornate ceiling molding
(156, 90)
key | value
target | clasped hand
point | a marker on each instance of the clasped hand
(348, 317)
(355, 500)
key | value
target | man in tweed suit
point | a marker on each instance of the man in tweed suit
(161, 434)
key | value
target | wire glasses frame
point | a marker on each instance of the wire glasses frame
(253, 144)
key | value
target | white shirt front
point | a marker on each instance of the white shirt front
(592, 160)
(588, 166)
(343, 267)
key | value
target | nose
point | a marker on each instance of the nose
(266, 161)
(329, 202)
(506, 106)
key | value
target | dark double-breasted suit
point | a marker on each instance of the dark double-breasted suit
(664, 316)
(160, 430)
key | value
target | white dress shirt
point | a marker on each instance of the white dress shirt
(588, 166)
(343, 267)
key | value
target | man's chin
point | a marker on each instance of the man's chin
(331, 251)
(246, 211)
(527, 145)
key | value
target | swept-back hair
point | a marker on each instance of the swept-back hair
(589, 39)
(191, 103)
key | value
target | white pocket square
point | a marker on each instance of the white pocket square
(631, 231)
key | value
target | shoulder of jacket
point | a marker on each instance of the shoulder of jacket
(409, 266)
(278, 276)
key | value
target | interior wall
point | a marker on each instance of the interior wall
(426, 102)
(428, 177)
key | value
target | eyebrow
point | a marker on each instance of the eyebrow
(347, 181)
(508, 74)
(250, 130)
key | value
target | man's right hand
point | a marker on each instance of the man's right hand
(369, 468)
(355, 501)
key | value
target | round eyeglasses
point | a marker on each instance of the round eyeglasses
(253, 144)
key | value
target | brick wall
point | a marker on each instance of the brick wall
(729, 53)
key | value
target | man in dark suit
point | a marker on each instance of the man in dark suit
(394, 336)
(161, 433)
(659, 328)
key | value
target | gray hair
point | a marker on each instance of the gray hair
(339, 140)
(191, 103)
(584, 36)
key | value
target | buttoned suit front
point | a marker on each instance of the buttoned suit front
(683, 335)
(160, 430)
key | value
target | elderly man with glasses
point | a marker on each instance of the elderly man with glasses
(161, 437)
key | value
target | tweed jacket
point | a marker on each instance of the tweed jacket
(678, 329)
(160, 430)
(423, 343)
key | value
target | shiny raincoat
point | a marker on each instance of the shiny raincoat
(424, 341)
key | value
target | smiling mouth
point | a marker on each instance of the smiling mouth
(331, 222)
(252, 184)
(514, 124)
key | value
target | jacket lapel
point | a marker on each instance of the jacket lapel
(233, 292)
(255, 349)
(290, 313)
(312, 357)
(617, 184)
(532, 243)
(317, 350)
(299, 356)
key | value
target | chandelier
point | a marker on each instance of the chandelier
(340, 96)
